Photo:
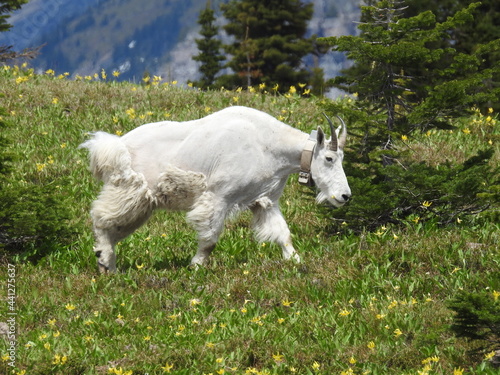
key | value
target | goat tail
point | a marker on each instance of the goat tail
(108, 155)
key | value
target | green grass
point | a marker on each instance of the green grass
(374, 303)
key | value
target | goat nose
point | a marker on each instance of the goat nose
(346, 197)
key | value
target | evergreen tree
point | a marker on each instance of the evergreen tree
(209, 47)
(33, 215)
(465, 38)
(404, 72)
(6, 7)
(6, 52)
(269, 42)
(482, 29)
(407, 79)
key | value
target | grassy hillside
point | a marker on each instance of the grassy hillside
(369, 304)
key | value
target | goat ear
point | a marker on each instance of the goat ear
(320, 136)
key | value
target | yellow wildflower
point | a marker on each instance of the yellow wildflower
(194, 302)
(393, 304)
(278, 357)
(489, 356)
(21, 79)
(496, 294)
(371, 345)
(397, 332)
(131, 113)
(59, 360)
(458, 371)
(430, 359)
(70, 307)
(168, 367)
(344, 313)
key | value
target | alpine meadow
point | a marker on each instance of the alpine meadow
(404, 278)
(361, 302)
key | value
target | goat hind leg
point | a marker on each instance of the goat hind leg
(270, 225)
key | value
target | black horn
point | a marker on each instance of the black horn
(334, 141)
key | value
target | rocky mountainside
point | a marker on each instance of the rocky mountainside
(137, 36)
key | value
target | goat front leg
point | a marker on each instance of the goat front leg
(207, 218)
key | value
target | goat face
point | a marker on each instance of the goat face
(327, 170)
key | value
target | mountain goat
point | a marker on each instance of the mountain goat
(237, 158)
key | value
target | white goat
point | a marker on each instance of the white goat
(234, 159)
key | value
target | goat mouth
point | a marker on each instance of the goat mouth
(336, 202)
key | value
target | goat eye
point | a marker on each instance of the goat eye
(329, 159)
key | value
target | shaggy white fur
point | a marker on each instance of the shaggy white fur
(232, 160)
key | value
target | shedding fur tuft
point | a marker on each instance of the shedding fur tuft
(178, 189)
